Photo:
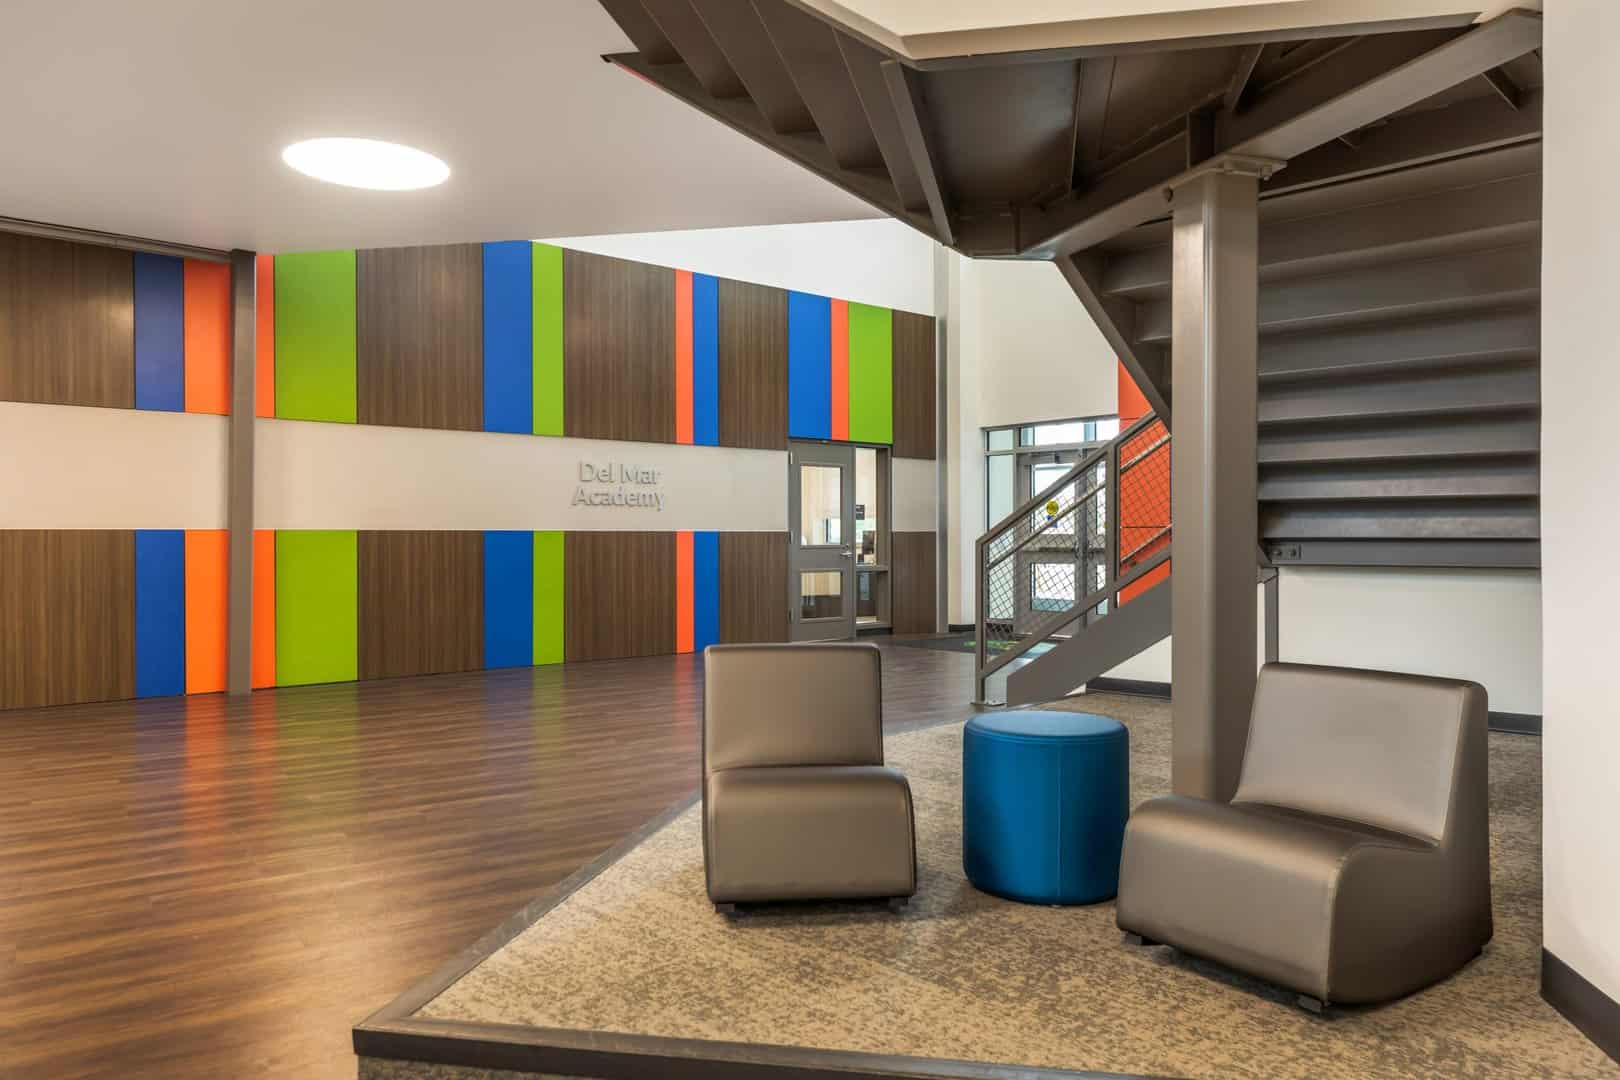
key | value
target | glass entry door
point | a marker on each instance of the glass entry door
(821, 538)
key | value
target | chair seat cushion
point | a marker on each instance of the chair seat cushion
(1266, 881)
(809, 833)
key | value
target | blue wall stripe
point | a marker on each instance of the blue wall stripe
(509, 598)
(160, 612)
(809, 366)
(160, 332)
(705, 590)
(509, 337)
(705, 360)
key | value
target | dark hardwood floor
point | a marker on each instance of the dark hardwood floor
(193, 887)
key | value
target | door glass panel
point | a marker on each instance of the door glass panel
(866, 506)
(821, 502)
(821, 594)
(1040, 476)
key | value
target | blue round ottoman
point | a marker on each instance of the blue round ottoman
(1045, 796)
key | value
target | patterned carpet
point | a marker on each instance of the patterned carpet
(966, 976)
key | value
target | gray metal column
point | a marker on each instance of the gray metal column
(1213, 482)
(239, 511)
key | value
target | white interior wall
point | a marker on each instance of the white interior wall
(70, 467)
(1580, 397)
(1023, 349)
(1483, 625)
(414, 478)
(874, 262)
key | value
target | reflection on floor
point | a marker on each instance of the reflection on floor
(965, 976)
(198, 887)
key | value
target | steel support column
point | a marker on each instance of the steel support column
(239, 507)
(1213, 473)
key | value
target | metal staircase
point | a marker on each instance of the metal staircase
(1399, 224)
(1100, 535)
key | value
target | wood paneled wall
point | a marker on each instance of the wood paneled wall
(421, 603)
(753, 366)
(67, 323)
(914, 597)
(619, 594)
(419, 336)
(618, 349)
(915, 386)
(67, 616)
(753, 586)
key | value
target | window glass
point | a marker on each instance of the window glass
(1067, 431)
(868, 525)
(1000, 439)
(866, 595)
(999, 473)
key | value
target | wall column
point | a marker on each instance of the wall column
(239, 497)
(1213, 485)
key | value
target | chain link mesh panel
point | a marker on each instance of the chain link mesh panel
(1046, 560)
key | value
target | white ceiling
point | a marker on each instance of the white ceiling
(166, 119)
(933, 28)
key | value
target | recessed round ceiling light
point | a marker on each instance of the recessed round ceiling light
(366, 163)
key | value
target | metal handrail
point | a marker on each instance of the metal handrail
(1058, 619)
(1120, 570)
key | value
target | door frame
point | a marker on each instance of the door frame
(813, 558)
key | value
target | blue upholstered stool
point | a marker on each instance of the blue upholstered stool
(1045, 796)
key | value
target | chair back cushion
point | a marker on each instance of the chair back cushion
(791, 705)
(1367, 746)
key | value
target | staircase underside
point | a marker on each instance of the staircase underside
(1399, 246)
(1035, 154)
(1399, 393)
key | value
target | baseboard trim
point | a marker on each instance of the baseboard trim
(1511, 723)
(1594, 1013)
(1516, 723)
(1139, 687)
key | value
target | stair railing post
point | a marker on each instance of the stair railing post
(981, 592)
(1112, 509)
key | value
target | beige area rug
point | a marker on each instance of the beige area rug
(966, 976)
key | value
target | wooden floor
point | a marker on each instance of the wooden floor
(192, 887)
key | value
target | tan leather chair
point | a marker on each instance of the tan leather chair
(796, 802)
(1353, 864)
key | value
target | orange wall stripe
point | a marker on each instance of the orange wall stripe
(264, 608)
(840, 369)
(207, 567)
(208, 336)
(683, 592)
(264, 396)
(683, 359)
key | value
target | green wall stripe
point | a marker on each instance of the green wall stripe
(871, 373)
(548, 597)
(548, 343)
(315, 343)
(317, 624)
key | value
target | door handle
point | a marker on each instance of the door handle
(847, 553)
